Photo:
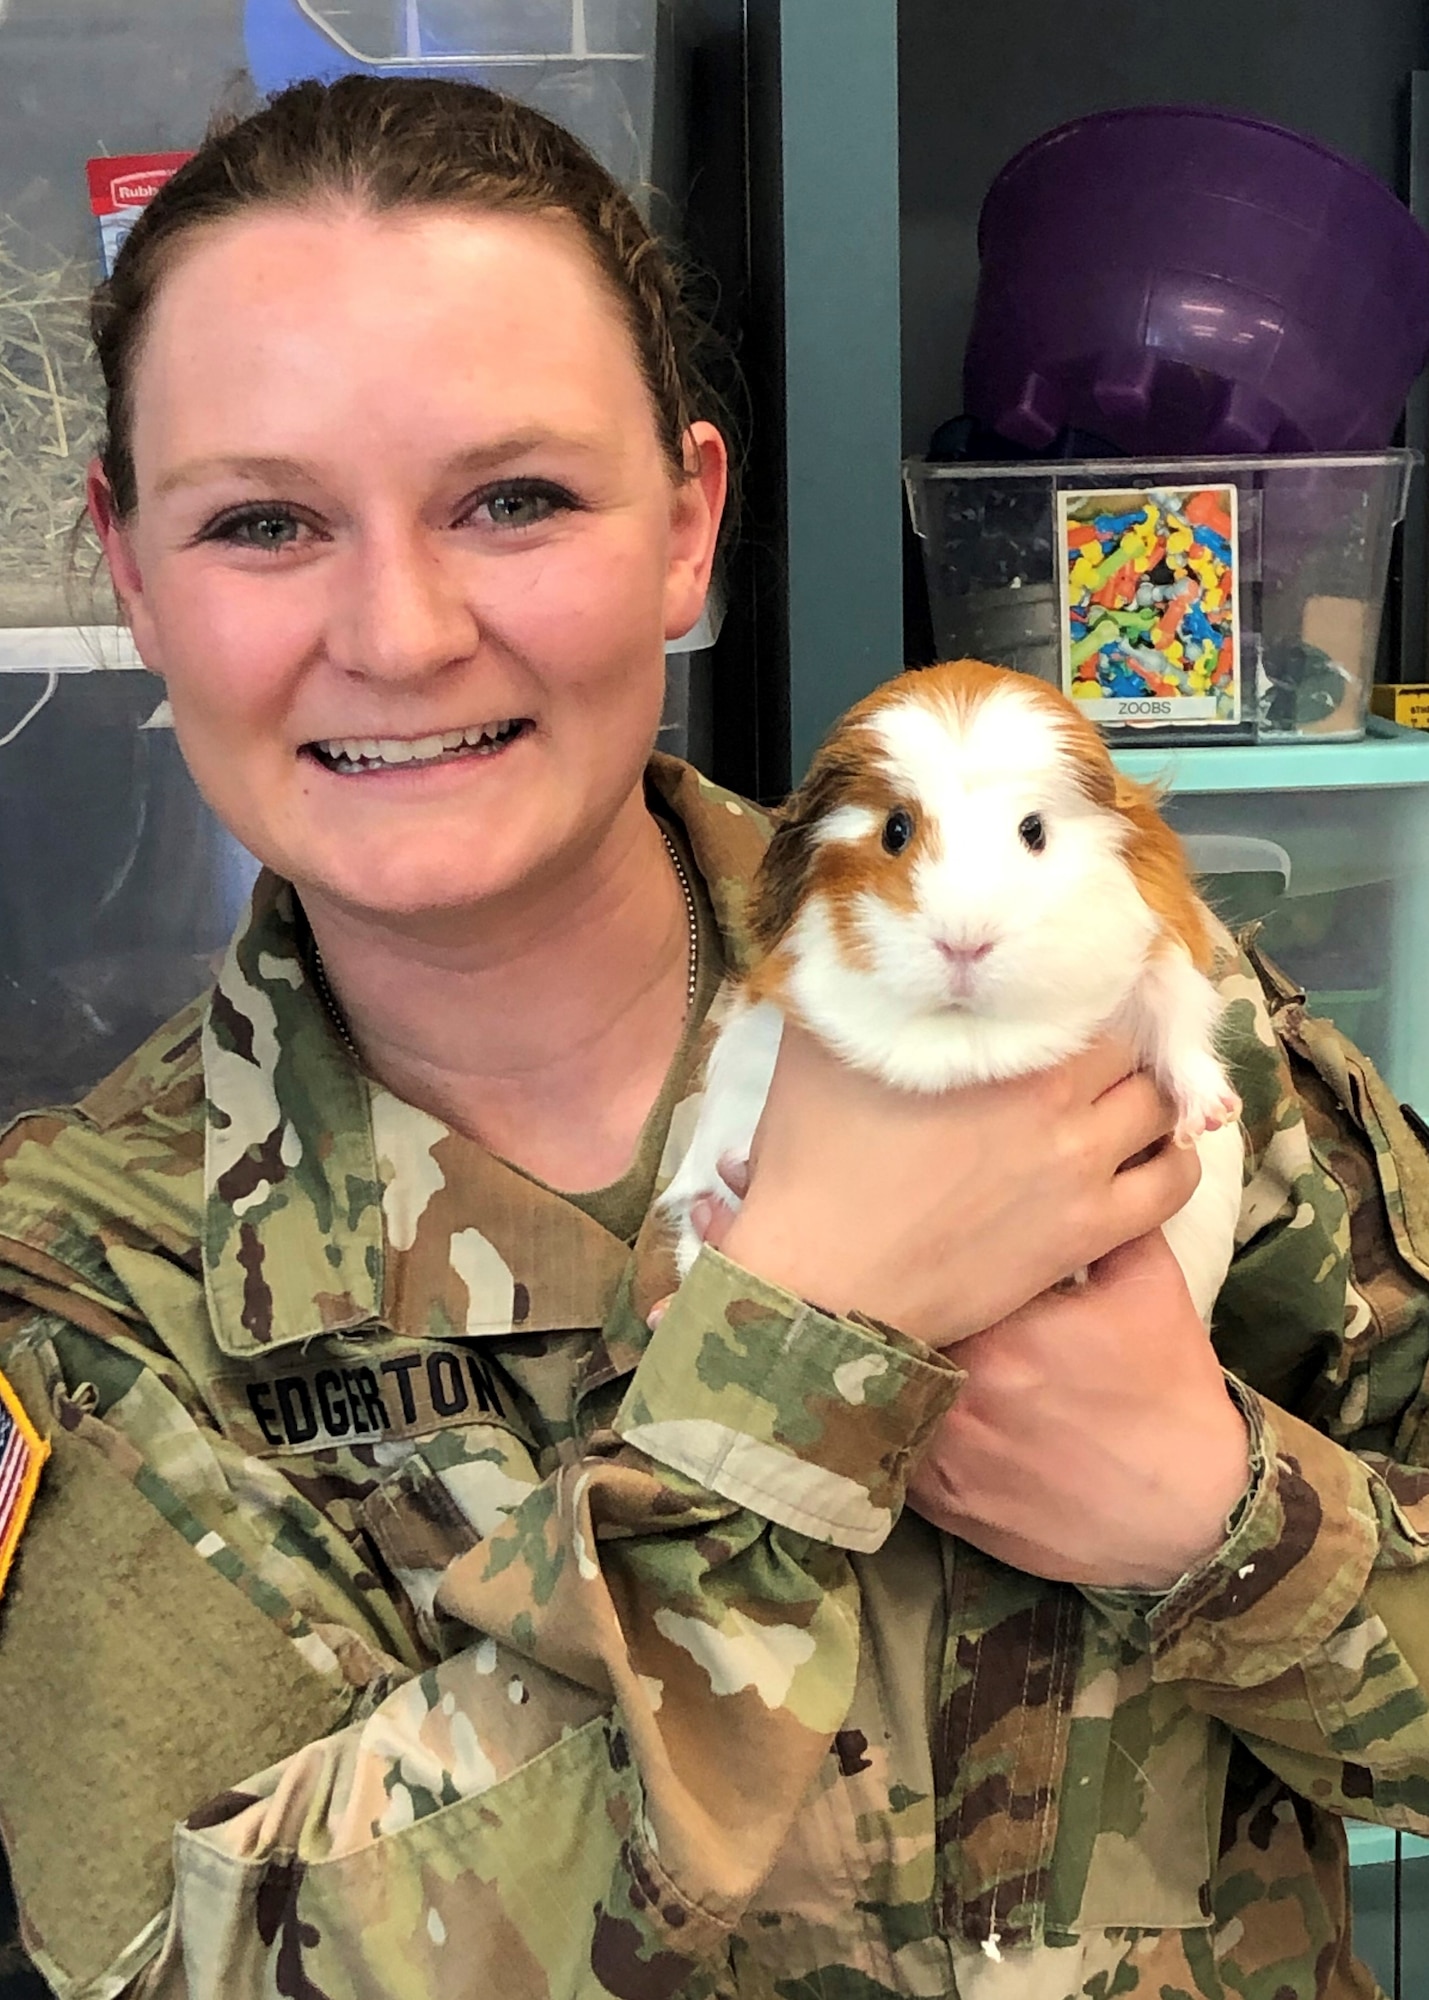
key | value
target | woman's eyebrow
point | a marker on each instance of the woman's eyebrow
(258, 471)
(270, 471)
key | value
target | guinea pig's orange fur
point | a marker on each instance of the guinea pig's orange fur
(843, 773)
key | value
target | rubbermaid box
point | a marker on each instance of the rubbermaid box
(1329, 847)
(1233, 599)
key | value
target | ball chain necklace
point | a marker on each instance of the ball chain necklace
(692, 961)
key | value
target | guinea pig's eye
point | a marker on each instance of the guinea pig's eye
(897, 831)
(1033, 833)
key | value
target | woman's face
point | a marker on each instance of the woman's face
(406, 548)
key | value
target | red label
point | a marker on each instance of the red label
(130, 179)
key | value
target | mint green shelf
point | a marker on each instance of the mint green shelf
(1372, 1844)
(1352, 822)
(1389, 755)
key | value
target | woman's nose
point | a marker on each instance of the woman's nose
(405, 612)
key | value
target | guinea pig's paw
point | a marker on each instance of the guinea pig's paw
(1204, 1100)
(712, 1213)
(700, 1218)
(734, 1172)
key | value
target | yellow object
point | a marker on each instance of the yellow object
(1408, 705)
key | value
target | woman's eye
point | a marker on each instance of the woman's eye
(521, 505)
(271, 529)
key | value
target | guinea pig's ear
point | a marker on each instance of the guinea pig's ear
(1135, 800)
(1139, 806)
(1097, 777)
(786, 872)
(1159, 868)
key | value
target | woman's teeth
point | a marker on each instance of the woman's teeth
(374, 753)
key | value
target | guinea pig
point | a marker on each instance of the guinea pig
(965, 888)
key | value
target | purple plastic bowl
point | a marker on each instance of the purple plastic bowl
(1180, 280)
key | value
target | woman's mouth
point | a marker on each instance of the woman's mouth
(350, 756)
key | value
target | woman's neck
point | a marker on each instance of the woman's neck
(544, 1031)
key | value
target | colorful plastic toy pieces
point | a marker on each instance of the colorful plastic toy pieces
(1151, 603)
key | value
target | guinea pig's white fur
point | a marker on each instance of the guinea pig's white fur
(1037, 901)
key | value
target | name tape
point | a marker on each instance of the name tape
(337, 1404)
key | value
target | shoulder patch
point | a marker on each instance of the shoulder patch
(22, 1453)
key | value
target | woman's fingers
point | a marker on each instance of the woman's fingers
(1127, 1118)
(944, 1212)
(1094, 1440)
(1145, 1196)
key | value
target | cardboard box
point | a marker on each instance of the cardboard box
(1407, 704)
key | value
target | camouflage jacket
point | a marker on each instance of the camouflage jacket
(398, 1615)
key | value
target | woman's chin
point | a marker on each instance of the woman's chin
(441, 890)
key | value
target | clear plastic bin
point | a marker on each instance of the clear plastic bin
(686, 726)
(589, 64)
(85, 78)
(1268, 575)
(1329, 849)
(118, 889)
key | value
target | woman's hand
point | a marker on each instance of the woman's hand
(1094, 1440)
(941, 1215)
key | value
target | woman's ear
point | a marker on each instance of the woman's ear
(117, 543)
(696, 509)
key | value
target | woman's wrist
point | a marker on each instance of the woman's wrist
(1193, 1514)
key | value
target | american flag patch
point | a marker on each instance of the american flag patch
(22, 1453)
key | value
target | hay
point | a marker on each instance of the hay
(49, 420)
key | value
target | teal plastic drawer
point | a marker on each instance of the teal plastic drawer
(1328, 845)
(1371, 1845)
(1390, 1898)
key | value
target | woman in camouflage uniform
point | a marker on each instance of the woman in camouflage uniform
(398, 1615)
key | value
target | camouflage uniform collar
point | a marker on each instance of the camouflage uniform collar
(331, 1205)
(293, 1238)
(727, 837)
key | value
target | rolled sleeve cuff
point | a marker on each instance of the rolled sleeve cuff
(1292, 1569)
(806, 1418)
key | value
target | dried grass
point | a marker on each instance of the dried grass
(49, 419)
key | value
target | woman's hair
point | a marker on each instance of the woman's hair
(386, 144)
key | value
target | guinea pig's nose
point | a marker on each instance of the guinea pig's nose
(964, 955)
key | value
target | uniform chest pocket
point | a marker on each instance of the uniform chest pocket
(451, 1491)
(1073, 1794)
(416, 1449)
(1141, 1796)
